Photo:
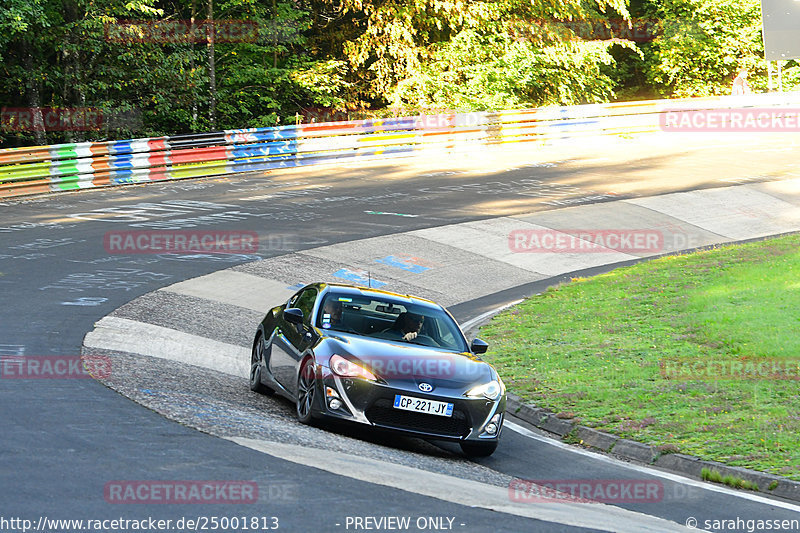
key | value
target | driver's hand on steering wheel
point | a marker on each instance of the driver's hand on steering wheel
(410, 336)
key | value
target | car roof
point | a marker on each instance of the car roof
(344, 288)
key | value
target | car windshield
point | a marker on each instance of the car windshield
(382, 317)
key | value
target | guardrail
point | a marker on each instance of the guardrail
(62, 167)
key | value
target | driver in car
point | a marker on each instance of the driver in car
(331, 314)
(407, 326)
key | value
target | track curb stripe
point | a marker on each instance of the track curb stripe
(464, 492)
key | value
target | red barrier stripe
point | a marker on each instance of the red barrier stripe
(323, 126)
(452, 132)
(198, 155)
(333, 129)
(159, 174)
(158, 158)
(157, 144)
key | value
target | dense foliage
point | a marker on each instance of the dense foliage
(302, 60)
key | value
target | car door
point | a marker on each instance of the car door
(292, 341)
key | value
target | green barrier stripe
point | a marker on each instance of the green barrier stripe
(64, 150)
(25, 172)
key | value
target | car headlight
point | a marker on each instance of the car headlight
(490, 390)
(348, 369)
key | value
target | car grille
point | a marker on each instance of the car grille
(383, 413)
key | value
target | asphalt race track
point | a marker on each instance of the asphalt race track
(65, 440)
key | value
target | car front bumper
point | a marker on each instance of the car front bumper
(372, 403)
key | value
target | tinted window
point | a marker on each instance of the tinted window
(386, 318)
(305, 302)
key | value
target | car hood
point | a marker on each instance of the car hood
(396, 362)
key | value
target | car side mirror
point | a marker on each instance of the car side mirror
(293, 315)
(478, 346)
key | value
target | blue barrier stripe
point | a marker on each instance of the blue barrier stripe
(120, 147)
(561, 125)
(260, 136)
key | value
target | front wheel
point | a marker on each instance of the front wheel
(257, 365)
(306, 392)
(478, 449)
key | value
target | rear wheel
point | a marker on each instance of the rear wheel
(257, 366)
(306, 392)
(478, 449)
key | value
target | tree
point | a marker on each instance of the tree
(474, 54)
(702, 45)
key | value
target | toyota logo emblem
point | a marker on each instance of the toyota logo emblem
(425, 387)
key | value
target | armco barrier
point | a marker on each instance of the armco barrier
(62, 167)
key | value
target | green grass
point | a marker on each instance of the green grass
(593, 347)
(732, 481)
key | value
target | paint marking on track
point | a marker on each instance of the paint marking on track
(472, 321)
(390, 214)
(596, 516)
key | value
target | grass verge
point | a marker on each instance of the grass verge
(650, 353)
(731, 481)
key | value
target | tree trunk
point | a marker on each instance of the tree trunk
(65, 87)
(34, 101)
(80, 93)
(212, 74)
(192, 69)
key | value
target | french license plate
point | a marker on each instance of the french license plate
(418, 405)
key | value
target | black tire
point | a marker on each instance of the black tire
(256, 367)
(478, 449)
(306, 392)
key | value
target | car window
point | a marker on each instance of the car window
(385, 318)
(290, 302)
(305, 302)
